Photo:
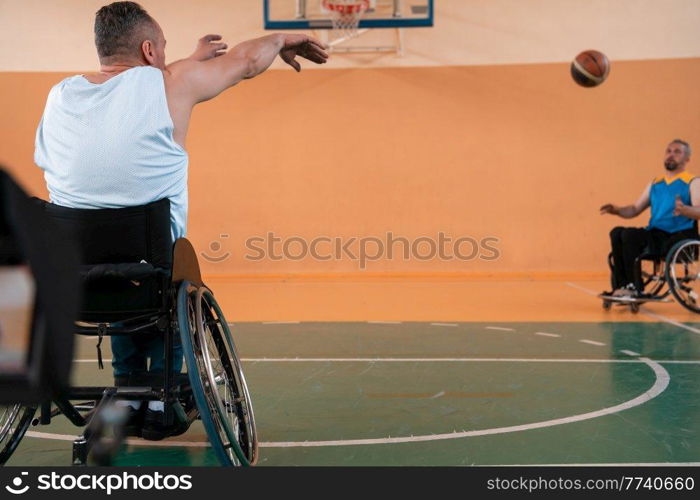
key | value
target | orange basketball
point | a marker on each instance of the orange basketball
(590, 68)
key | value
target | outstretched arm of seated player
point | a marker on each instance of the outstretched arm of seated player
(628, 211)
(204, 80)
(691, 211)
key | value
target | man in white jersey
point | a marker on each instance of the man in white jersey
(116, 138)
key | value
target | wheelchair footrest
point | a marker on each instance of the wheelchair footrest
(634, 300)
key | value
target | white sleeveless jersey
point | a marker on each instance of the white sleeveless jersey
(111, 145)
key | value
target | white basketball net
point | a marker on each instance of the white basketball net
(345, 15)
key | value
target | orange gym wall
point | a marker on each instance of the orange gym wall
(516, 152)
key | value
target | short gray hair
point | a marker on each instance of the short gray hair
(120, 28)
(688, 151)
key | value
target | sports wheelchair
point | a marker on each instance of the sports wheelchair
(137, 282)
(676, 273)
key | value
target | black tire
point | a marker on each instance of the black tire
(14, 422)
(683, 273)
(217, 380)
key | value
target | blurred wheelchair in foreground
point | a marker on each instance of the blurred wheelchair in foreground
(676, 273)
(134, 281)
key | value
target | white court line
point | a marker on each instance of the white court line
(545, 334)
(501, 328)
(592, 342)
(574, 285)
(441, 360)
(384, 322)
(646, 464)
(660, 384)
(135, 442)
(644, 311)
(670, 321)
(205, 444)
(444, 324)
(630, 353)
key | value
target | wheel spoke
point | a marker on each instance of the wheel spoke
(683, 271)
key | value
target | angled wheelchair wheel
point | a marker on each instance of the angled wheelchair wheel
(216, 377)
(683, 273)
(14, 422)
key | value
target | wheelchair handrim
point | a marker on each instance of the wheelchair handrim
(231, 373)
(249, 418)
(206, 413)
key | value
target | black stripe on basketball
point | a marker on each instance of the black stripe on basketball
(580, 78)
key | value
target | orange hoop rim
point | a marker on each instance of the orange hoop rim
(346, 8)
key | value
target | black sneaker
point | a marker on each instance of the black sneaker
(154, 429)
(628, 292)
(134, 422)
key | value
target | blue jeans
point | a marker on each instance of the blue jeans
(130, 354)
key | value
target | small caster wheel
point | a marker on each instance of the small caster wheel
(606, 305)
(634, 308)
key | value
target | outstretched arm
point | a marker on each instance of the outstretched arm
(203, 80)
(691, 211)
(629, 211)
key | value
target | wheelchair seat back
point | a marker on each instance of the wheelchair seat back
(126, 257)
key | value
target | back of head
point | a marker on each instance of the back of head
(120, 28)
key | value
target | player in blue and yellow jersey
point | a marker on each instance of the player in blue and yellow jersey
(674, 199)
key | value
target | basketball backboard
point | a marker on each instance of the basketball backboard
(310, 14)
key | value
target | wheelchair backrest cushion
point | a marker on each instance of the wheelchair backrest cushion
(118, 235)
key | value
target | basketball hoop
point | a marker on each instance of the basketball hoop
(345, 15)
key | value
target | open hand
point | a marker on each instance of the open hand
(208, 47)
(303, 46)
(608, 208)
(680, 207)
